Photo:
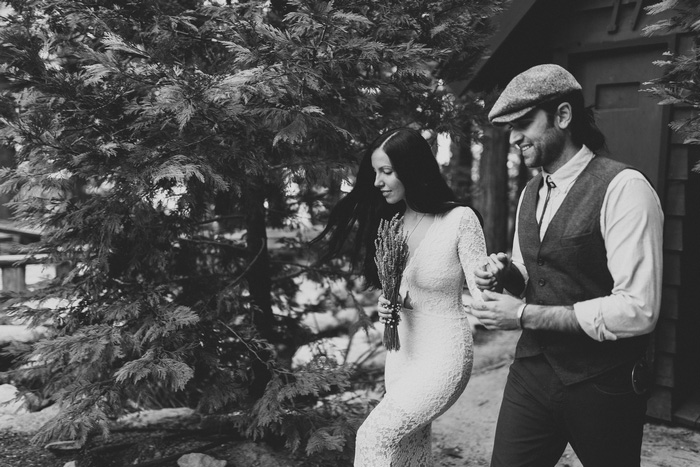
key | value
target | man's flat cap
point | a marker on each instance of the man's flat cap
(534, 86)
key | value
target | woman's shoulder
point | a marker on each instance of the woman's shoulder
(457, 217)
(462, 212)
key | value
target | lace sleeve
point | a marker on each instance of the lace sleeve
(471, 248)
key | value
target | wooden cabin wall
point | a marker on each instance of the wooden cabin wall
(665, 337)
(676, 396)
(686, 397)
(678, 352)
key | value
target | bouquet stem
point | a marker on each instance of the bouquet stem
(391, 331)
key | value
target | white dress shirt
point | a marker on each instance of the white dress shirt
(631, 222)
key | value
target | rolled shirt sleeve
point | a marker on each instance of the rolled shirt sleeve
(632, 227)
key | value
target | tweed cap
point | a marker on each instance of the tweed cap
(534, 86)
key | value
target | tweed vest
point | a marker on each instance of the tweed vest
(568, 266)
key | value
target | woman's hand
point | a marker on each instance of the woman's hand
(384, 308)
(490, 275)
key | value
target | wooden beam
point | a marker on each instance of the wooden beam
(18, 260)
(12, 228)
(688, 414)
(14, 279)
(14, 273)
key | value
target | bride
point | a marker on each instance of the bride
(399, 174)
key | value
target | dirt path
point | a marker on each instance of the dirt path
(463, 436)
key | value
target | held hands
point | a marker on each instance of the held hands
(490, 275)
(497, 311)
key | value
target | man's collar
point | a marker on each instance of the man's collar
(570, 171)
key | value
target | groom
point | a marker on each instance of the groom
(587, 259)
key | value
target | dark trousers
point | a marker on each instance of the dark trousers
(602, 418)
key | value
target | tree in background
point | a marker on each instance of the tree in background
(155, 145)
(679, 84)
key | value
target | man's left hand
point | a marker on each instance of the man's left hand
(498, 311)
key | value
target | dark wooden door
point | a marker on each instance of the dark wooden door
(631, 120)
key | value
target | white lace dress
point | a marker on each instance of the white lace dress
(431, 369)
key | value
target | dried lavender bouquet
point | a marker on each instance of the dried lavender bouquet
(391, 257)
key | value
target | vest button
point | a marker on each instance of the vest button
(542, 282)
(540, 262)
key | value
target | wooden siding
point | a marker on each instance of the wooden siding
(686, 402)
(669, 302)
(677, 353)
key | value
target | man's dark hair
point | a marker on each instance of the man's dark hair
(583, 126)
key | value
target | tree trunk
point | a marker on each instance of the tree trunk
(493, 175)
(460, 173)
(258, 278)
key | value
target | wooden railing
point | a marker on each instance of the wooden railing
(12, 263)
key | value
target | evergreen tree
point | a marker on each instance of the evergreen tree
(679, 84)
(147, 134)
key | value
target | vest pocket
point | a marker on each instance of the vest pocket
(585, 249)
(586, 238)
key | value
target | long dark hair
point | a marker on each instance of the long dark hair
(358, 214)
(583, 127)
